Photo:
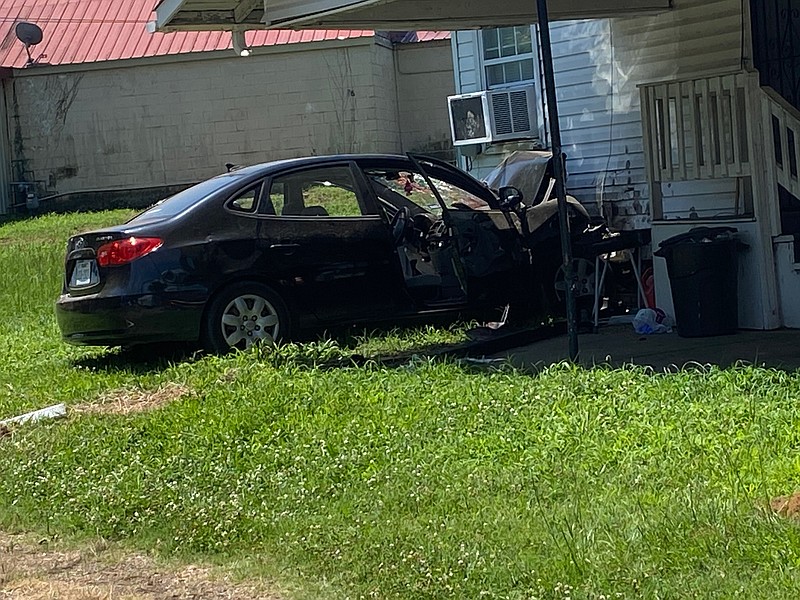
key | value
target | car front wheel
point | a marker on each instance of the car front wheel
(245, 314)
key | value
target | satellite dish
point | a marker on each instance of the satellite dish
(30, 35)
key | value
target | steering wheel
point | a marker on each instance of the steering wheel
(400, 223)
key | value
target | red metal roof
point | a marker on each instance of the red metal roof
(430, 36)
(81, 31)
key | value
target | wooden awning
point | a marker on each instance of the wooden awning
(389, 15)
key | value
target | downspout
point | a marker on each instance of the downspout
(6, 76)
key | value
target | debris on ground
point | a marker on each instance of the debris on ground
(649, 321)
(127, 400)
(489, 330)
(786, 506)
(495, 325)
(483, 361)
(100, 571)
(51, 412)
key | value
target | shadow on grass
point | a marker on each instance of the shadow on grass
(343, 349)
(387, 346)
(139, 360)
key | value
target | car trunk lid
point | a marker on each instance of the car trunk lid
(87, 253)
(81, 270)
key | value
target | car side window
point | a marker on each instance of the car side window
(414, 187)
(277, 193)
(246, 202)
(320, 192)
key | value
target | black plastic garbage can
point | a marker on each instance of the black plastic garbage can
(703, 268)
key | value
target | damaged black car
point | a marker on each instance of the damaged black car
(265, 252)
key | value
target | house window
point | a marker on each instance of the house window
(508, 55)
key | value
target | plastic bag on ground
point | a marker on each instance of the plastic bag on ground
(649, 320)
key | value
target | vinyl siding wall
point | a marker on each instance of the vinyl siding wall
(695, 37)
(598, 66)
(601, 136)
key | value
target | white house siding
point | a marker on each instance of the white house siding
(466, 62)
(601, 130)
(601, 134)
(695, 37)
(598, 66)
(424, 81)
(172, 120)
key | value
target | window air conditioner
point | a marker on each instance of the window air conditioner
(493, 116)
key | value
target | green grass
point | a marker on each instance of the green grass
(36, 368)
(337, 201)
(428, 481)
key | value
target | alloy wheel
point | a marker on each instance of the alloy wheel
(249, 319)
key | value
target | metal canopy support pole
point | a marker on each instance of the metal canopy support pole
(559, 174)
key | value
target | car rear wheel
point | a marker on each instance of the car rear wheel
(243, 315)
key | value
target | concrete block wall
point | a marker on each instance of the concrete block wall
(424, 81)
(166, 121)
(386, 100)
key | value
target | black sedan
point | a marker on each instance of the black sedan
(260, 253)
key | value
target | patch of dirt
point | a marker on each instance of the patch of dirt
(30, 571)
(786, 506)
(124, 401)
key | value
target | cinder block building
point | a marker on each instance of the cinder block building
(109, 113)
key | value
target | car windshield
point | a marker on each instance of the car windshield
(414, 187)
(174, 205)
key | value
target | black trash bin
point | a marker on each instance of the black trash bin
(703, 268)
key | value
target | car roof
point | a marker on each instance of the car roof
(305, 161)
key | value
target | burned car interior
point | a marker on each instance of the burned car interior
(453, 242)
(427, 259)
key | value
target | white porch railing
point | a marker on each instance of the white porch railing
(784, 124)
(698, 130)
(721, 127)
(717, 147)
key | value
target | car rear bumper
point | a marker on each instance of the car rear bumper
(93, 320)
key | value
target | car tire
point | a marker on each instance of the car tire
(244, 314)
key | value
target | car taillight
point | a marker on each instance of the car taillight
(120, 252)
